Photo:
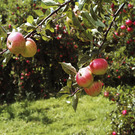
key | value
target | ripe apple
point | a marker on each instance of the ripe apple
(106, 94)
(124, 112)
(94, 89)
(9, 26)
(115, 35)
(129, 22)
(114, 133)
(130, 5)
(84, 77)
(99, 66)
(30, 48)
(112, 5)
(16, 43)
(123, 27)
(129, 29)
(122, 34)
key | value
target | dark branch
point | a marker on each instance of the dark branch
(105, 36)
(55, 11)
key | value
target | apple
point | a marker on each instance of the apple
(16, 43)
(129, 22)
(115, 35)
(94, 89)
(30, 48)
(106, 94)
(122, 34)
(112, 5)
(129, 29)
(99, 66)
(124, 11)
(84, 77)
(114, 133)
(123, 27)
(130, 5)
(34, 4)
(124, 112)
(9, 26)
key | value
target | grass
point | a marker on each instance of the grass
(56, 117)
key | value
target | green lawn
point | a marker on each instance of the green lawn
(56, 117)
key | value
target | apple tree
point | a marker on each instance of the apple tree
(71, 35)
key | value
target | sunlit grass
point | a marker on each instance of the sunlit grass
(56, 117)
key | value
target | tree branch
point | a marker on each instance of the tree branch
(3, 51)
(105, 36)
(55, 11)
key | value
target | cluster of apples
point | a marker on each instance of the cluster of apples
(85, 79)
(17, 44)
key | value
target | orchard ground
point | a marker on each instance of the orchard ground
(56, 116)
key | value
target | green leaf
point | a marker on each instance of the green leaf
(7, 56)
(75, 21)
(39, 12)
(93, 14)
(89, 34)
(100, 23)
(3, 32)
(46, 38)
(81, 4)
(28, 27)
(83, 60)
(49, 3)
(30, 19)
(94, 23)
(87, 16)
(75, 102)
(65, 89)
(69, 82)
(50, 26)
(64, 96)
(68, 68)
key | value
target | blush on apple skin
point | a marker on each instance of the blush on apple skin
(16, 43)
(99, 66)
(84, 77)
(94, 89)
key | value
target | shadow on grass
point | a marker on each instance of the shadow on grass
(24, 112)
